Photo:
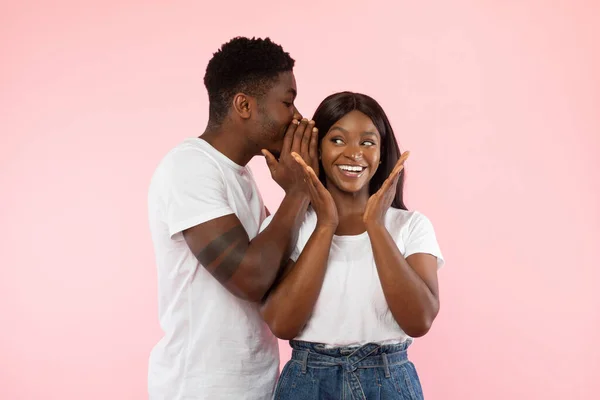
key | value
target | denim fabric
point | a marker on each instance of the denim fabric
(349, 373)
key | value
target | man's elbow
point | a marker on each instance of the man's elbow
(249, 288)
(251, 294)
(252, 285)
(256, 296)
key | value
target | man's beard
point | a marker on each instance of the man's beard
(274, 135)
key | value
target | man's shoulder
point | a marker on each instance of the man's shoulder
(191, 149)
(187, 157)
(187, 165)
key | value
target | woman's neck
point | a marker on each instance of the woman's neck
(350, 208)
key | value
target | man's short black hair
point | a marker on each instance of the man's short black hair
(244, 65)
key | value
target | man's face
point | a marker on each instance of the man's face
(276, 112)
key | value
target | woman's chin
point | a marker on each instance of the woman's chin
(353, 189)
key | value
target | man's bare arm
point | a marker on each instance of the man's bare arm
(248, 268)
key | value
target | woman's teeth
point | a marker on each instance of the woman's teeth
(351, 170)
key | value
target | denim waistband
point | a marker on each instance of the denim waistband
(350, 358)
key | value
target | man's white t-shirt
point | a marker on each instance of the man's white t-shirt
(351, 309)
(215, 345)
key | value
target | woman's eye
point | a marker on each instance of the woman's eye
(288, 104)
(369, 143)
(337, 141)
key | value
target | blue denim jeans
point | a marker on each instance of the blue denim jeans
(349, 373)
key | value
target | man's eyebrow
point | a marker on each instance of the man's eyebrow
(292, 91)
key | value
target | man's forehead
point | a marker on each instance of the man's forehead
(286, 83)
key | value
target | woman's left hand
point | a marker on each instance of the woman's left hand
(380, 201)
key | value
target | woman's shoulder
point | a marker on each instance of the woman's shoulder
(397, 216)
(398, 220)
(308, 225)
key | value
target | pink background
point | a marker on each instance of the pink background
(497, 101)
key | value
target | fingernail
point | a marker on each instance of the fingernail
(295, 121)
(315, 130)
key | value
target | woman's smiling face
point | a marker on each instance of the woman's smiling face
(350, 153)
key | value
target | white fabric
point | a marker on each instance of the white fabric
(215, 346)
(351, 308)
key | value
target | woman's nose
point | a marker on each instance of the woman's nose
(354, 153)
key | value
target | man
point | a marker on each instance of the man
(205, 213)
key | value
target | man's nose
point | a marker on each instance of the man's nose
(297, 114)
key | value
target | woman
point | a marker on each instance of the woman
(362, 280)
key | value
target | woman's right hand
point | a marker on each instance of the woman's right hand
(320, 198)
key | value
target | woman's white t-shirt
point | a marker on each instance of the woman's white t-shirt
(351, 308)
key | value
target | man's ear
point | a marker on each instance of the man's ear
(243, 105)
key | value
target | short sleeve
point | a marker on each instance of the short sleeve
(195, 190)
(296, 251)
(421, 238)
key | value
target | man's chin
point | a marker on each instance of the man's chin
(275, 147)
(276, 150)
